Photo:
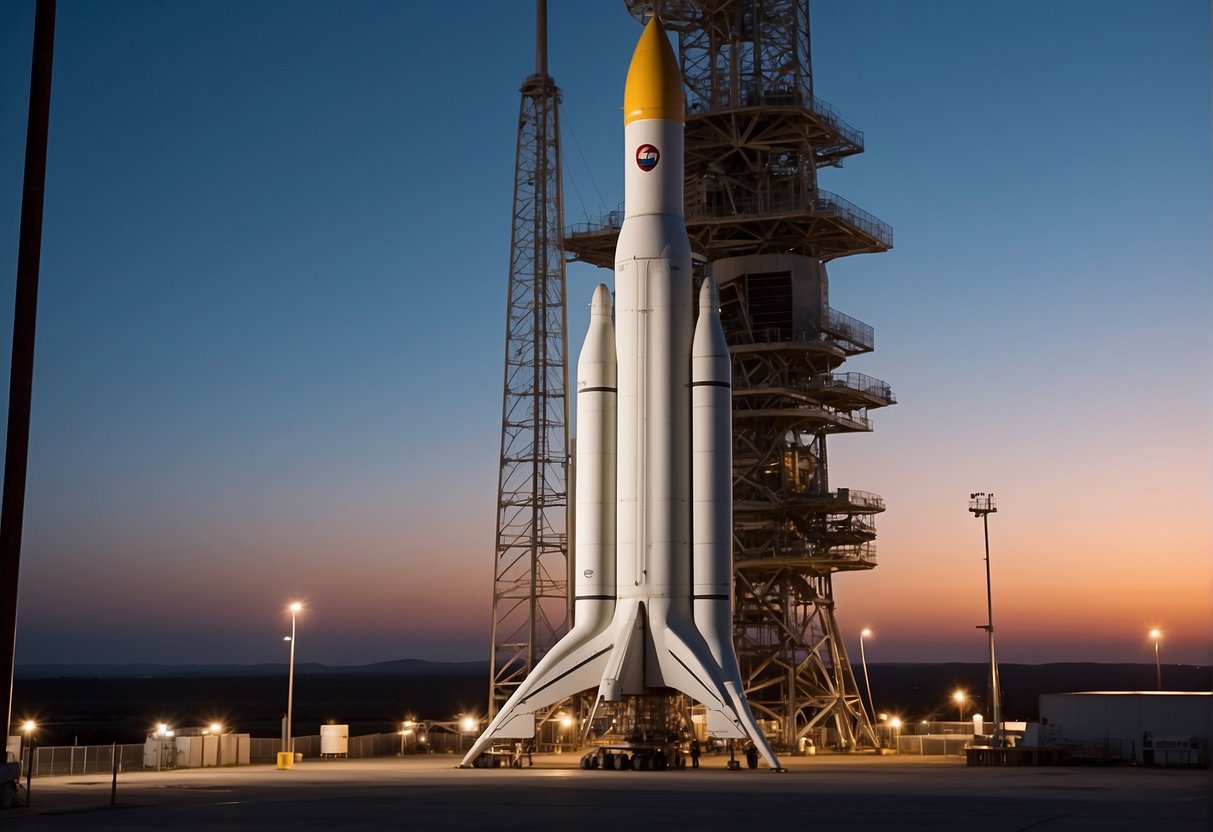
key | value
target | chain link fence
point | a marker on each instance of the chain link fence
(82, 759)
(95, 759)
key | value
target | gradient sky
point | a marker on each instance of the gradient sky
(272, 315)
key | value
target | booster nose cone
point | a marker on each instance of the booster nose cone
(654, 85)
(600, 303)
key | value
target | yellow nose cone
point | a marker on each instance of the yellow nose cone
(654, 85)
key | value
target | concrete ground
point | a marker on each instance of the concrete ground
(825, 792)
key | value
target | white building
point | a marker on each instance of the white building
(1171, 728)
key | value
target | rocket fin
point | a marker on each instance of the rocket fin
(695, 673)
(742, 706)
(724, 725)
(703, 680)
(520, 725)
(624, 668)
(573, 665)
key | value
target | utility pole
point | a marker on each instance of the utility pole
(982, 505)
(25, 316)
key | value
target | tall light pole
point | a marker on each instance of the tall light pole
(290, 680)
(982, 505)
(1156, 634)
(863, 660)
(21, 369)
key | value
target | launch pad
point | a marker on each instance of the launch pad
(427, 792)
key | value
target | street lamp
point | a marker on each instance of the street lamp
(1156, 634)
(164, 736)
(27, 729)
(290, 680)
(467, 725)
(406, 730)
(863, 660)
(27, 734)
(960, 697)
(982, 505)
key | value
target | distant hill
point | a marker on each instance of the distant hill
(399, 667)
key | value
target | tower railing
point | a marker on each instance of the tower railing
(856, 333)
(847, 499)
(819, 415)
(858, 382)
(789, 196)
(776, 98)
(781, 199)
(858, 553)
(855, 497)
(850, 329)
(610, 221)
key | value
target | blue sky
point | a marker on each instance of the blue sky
(272, 316)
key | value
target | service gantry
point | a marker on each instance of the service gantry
(530, 579)
(756, 136)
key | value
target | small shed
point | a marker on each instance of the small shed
(334, 740)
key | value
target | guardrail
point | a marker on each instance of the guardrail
(854, 553)
(793, 198)
(854, 497)
(849, 329)
(858, 382)
(782, 97)
(776, 200)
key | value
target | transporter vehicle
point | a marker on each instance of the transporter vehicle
(635, 755)
(504, 756)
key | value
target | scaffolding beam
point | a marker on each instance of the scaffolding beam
(530, 580)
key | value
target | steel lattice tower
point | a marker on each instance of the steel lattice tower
(756, 136)
(530, 609)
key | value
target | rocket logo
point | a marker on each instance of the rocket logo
(647, 157)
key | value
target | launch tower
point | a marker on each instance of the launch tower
(530, 578)
(756, 137)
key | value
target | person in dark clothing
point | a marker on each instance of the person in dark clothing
(751, 756)
(694, 753)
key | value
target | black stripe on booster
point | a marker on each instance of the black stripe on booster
(571, 670)
(593, 597)
(709, 597)
(711, 384)
(597, 390)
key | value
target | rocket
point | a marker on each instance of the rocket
(653, 555)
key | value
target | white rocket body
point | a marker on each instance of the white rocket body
(653, 560)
